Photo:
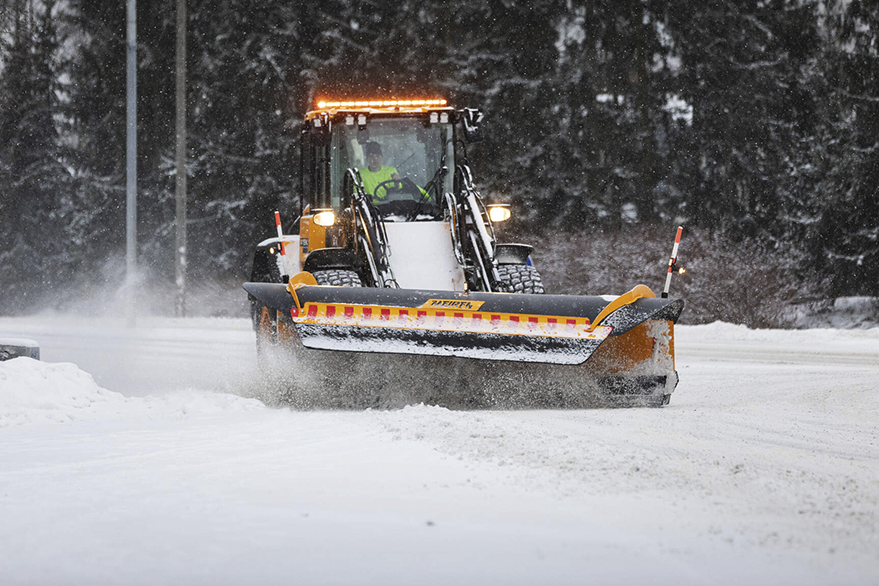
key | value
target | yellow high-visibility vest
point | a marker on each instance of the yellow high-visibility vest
(372, 180)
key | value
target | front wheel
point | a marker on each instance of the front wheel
(338, 278)
(266, 331)
(520, 279)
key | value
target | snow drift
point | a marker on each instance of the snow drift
(32, 391)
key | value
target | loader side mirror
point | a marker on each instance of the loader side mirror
(471, 119)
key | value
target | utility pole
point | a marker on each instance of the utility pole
(180, 187)
(131, 167)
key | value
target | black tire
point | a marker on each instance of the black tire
(265, 270)
(520, 279)
(338, 278)
(266, 326)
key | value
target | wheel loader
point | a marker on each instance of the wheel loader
(392, 286)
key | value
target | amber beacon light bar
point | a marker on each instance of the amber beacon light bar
(324, 104)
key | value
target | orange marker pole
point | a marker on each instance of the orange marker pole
(280, 232)
(672, 261)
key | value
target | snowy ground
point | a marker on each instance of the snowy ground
(763, 470)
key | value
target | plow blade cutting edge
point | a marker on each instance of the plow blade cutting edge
(553, 329)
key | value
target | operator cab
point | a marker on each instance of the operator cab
(404, 157)
(387, 198)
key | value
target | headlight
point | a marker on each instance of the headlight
(499, 212)
(325, 218)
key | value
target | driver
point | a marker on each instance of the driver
(375, 173)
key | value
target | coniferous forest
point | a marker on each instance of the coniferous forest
(753, 121)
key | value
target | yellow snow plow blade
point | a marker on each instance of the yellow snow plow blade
(556, 329)
(623, 346)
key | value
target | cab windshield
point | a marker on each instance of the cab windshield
(407, 168)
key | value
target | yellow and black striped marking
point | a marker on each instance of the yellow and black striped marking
(447, 320)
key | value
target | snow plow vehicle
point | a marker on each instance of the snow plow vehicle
(392, 287)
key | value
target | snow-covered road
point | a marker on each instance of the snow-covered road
(763, 470)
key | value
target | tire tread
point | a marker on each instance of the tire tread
(520, 279)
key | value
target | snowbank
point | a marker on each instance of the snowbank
(159, 354)
(32, 391)
(841, 312)
(864, 340)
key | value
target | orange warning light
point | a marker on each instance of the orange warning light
(325, 104)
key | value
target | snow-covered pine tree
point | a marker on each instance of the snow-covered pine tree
(842, 233)
(33, 180)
